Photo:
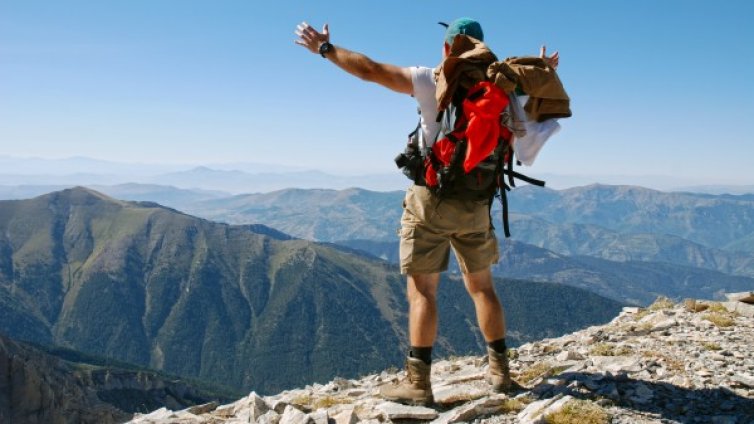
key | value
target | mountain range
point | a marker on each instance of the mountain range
(244, 306)
(368, 221)
(255, 177)
(616, 223)
(633, 282)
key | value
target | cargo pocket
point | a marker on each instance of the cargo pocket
(406, 247)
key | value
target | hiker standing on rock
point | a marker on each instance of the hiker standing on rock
(430, 225)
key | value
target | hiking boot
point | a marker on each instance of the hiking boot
(415, 389)
(499, 374)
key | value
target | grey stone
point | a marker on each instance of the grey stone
(536, 412)
(664, 324)
(159, 414)
(292, 415)
(342, 383)
(569, 355)
(254, 404)
(741, 308)
(616, 364)
(471, 410)
(225, 411)
(356, 392)
(448, 394)
(203, 409)
(347, 416)
(744, 380)
(704, 372)
(279, 406)
(319, 416)
(396, 411)
(269, 417)
(462, 377)
(746, 297)
(717, 357)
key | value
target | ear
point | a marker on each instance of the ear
(446, 49)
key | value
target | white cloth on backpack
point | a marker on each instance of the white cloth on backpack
(528, 146)
(423, 80)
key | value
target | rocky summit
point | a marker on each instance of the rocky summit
(667, 363)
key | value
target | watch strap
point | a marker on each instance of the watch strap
(325, 48)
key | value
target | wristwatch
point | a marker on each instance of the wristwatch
(325, 48)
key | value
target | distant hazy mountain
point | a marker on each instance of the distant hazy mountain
(243, 306)
(59, 386)
(207, 179)
(80, 164)
(715, 221)
(719, 189)
(87, 171)
(13, 192)
(244, 182)
(174, 197)
(596, 241)
(77, 165)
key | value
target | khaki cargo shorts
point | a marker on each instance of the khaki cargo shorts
(430, 227)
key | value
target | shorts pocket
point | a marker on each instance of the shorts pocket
(406, 246)
(407, 232)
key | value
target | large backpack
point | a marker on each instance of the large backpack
(473, 152)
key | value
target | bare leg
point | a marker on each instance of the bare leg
(416, 388)
(489, 311)
(422, 308)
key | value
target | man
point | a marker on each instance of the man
(430, 227)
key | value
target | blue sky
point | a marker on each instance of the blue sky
(657, 87)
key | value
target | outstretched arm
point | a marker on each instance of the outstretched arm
(390, 76)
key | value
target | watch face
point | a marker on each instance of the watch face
(324, 48)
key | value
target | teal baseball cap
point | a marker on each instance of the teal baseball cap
(465, 26)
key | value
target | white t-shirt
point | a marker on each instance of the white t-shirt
(423, 80)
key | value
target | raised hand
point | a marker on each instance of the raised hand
(553, 60)
(309, 38)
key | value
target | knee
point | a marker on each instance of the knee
(484, 293)
(421, 290)
(421, 295)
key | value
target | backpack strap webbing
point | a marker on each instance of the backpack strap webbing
(533, 181)
(504, 188)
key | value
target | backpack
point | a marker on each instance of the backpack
(473, 152)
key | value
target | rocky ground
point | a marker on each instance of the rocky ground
(684, 363)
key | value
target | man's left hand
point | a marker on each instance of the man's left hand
(553, 60)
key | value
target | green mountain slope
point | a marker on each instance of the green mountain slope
(53, 385)
(242, 306)
(320, 215)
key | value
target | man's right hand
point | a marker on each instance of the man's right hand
(309, 38)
